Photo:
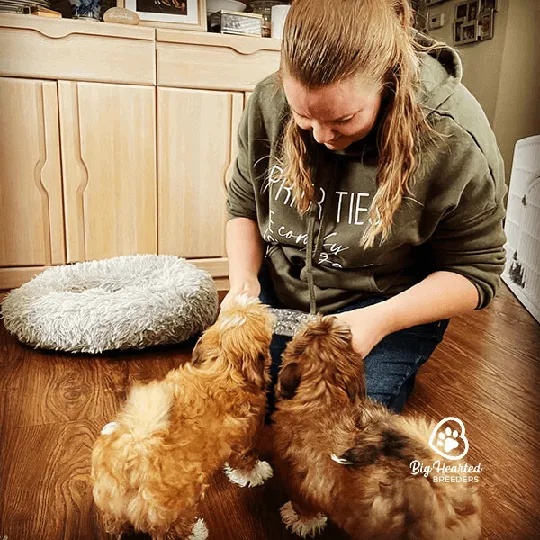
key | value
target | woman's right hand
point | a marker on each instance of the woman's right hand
(245, 250)
(249, 286)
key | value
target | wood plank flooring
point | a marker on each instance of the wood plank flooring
(52, 406)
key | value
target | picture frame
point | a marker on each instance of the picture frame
(469, 32)
(488, 5)
(473, 10)
(457, 31)
(176, 14)
(485, 25)
(461, 11)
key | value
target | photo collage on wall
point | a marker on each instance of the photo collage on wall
(474, 20)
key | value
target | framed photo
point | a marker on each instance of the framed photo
(457, 31)
(473, 11)
(485, 25)
(469, 32)
(461, 11)
(488, 5)
(179, 14)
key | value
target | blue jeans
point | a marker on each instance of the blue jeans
(390, 368)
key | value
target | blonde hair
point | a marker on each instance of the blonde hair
(328, 41)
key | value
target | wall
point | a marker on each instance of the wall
(518, 104)
(503, 73)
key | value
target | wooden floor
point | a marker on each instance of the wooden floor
(52, 405)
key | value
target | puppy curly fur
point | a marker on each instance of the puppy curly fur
(322, 410)
(152, 470)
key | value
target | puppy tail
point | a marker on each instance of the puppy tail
(121, 455)
(144, 419)
(147, 410)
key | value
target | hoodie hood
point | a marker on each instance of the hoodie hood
(441, 72)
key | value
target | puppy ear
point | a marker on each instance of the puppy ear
(355, 384)
(253, 369)
(196, 356)
(352, 390)
(289, 381)
(356, 389)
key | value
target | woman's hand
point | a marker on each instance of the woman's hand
(440, 295)
(245, 250)
(368, 325)
(248, 285)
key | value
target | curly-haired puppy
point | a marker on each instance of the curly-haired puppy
(152, 465)
(349, 458)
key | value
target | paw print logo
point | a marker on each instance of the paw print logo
(449, 440)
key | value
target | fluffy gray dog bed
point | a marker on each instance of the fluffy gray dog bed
(119, 303)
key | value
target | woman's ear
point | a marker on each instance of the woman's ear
(288, 381)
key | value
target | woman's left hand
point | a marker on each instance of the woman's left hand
(368, 325)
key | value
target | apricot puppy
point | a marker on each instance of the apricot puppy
(152, 465)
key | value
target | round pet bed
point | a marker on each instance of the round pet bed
(120, 303)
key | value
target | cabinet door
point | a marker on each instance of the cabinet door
(31, 217)
(108, 136)
(197, 134)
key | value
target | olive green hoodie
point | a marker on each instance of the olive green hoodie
(450, 220)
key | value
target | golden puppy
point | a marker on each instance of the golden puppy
(152, 465)
(349, 458)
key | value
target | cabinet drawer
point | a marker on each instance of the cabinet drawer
(76, 50)
(214, 61)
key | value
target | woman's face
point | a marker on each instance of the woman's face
(339, 114)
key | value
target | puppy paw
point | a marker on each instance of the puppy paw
(303, 527)
(257, 476)
(199, 531)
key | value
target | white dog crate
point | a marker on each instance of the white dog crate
(522, 272)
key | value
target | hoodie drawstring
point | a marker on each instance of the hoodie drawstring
(309, 255)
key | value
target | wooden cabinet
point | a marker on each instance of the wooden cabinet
(36, 47)
(31, 217)
(108, 143)
(214, 61)
(200, 127)
(118, 140)
(203, 83)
